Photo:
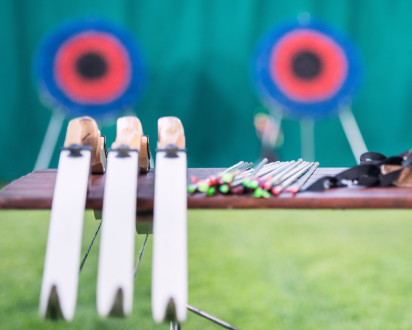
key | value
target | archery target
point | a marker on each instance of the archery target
(90, 68)
(309, 70)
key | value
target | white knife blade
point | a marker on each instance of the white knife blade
(61, 269)
(116, 257)
(169, 272)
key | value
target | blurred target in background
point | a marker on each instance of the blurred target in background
(306, 70)
(87, 68)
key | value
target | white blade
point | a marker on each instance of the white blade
(115, 272)
(169, 272)
(62, 262)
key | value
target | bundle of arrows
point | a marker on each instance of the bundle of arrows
(261, 180)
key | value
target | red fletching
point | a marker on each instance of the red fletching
(276, 191)
(237, 190)
(294, 190)
(267, 184)
(212, 180)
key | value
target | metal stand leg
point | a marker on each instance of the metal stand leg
(175, 326)
(139, 258)
(212, 318)
(307, 137)
(49, 142)
(353, 133)
(277, 118)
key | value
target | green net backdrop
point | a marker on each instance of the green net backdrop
(198, 57)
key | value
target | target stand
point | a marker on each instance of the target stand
(306, 70)
(86, 68)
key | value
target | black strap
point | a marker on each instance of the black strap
(367, 174)
(372, 157)
(408, 161)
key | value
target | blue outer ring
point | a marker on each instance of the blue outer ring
(57, 99)
(267, 88)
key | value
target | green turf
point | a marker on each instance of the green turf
(267, 269)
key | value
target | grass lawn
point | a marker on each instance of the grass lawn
(265, 269)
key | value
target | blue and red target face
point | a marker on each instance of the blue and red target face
(90, 68)
(310, 70)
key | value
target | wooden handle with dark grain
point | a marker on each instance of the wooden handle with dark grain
(144, 155)
(129, 133)
(84, 131)
(170, 130)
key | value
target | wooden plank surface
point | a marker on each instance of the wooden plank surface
(35, 191)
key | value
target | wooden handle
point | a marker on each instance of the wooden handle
(170, 131)
(99, 162)
(144, 155)
(129, 132)
(84, 131)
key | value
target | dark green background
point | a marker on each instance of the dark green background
(198, 55)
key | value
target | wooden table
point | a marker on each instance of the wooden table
(35, 191)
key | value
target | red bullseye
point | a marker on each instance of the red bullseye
(330, 73)
(113, 78)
